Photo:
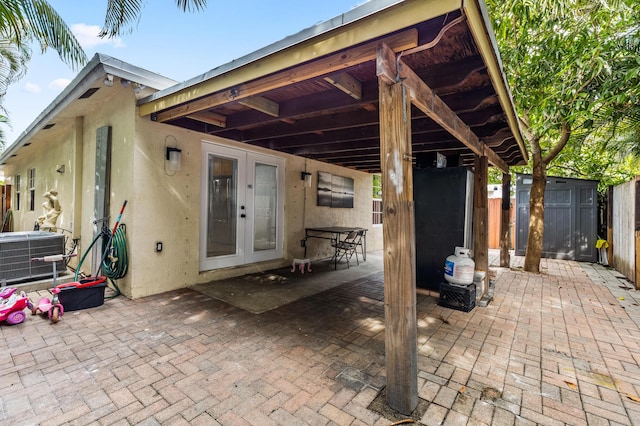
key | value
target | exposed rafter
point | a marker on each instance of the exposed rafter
(294, 107)
(327, 65)
(262, 104)
(423, 97)
(348, 84)
(209, 117)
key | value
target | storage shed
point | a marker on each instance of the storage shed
(570, 218)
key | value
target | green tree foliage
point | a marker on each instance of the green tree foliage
(574, 71)
(24, 22)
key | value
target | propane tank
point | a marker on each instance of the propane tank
(459, 267)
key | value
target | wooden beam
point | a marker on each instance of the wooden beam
(329, 64)
(424, 98)
(481, 218)
(262, 104)
(399, 248)
(348, 84)
(336, 103)
(505, 221)
(209, 117)
(374, 26)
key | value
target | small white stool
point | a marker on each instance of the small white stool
(301, 263)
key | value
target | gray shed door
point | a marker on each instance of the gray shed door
(570, 218)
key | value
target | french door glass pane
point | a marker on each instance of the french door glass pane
(265, 207)
(222, 208)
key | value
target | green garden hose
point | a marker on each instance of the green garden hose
(114, 265)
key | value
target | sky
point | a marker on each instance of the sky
(178, 45)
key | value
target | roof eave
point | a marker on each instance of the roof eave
(482, 30)
(371, 20)
(95, 69)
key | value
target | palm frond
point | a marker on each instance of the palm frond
(122, 14)
(191, 5)
(13, 64)
(11, 20)
(44, 25)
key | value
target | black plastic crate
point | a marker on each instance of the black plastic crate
(75, 299)
(461, 298)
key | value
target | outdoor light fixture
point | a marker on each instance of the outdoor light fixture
(108, 80)
(306, 177)
(174, 157)
(137, 87)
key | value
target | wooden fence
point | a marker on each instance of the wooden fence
(495, 211)
(624, 229)
(5, 205)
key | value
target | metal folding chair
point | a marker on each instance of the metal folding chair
(348, 247)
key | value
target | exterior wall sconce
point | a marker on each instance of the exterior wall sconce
(306, 177)
(174, 158)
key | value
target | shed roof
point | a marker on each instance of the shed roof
(315, 94)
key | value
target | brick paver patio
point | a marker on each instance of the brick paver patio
(561, 347)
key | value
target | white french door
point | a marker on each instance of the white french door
(242, 208)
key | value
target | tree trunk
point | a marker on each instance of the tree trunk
(536, 216)
(505, 221)
(536, 196)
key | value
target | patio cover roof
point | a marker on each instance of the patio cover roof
(315, 94)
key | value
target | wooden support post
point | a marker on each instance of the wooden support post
(505, 221)
(481, 217)
(401, 353)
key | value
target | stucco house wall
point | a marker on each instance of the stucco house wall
(164, 206)
(46, 178)
(72, 145)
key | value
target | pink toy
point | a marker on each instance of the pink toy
(52, 307)
(12, 306)
(301, 263)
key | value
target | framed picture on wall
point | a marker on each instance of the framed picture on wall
(341, 192)
(335, 191)
(324, 189)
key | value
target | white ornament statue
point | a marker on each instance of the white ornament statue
(51, 208)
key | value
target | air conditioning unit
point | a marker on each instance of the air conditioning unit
(18, 248)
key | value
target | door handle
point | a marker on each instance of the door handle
(243, 215)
